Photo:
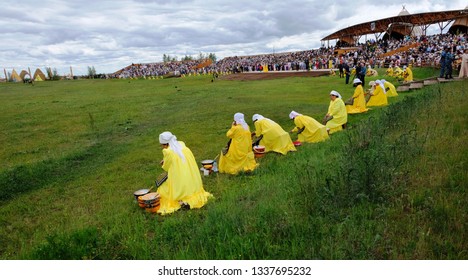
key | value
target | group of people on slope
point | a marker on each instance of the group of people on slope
(406, 74)
(376, 95)
(184, 187)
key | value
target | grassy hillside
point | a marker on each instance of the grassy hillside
(73, 152)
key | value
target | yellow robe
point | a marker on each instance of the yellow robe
(183, 182)
(390, 71)
(359, 103)
(379, 98)
(408, 75)
(274, 137)
(391, 92)
(313, 130)
(240, 156)
(337, 109)
(397, 72)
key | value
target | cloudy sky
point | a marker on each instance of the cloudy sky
(111, 34)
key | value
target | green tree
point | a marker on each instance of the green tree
(212, 56)
(187, 58)
(52, 74)
(91, 72)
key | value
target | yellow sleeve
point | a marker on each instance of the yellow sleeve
(258, 128)
(167, 159)
(231, 131)
(377, 91)
(298, 123)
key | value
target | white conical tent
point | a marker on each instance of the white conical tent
(401, 29)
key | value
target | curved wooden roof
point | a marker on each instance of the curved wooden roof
(382, 25)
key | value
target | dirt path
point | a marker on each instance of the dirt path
(251, 76)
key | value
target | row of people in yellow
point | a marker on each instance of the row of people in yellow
(184, 187)
(405, 74)
(376, 96)
(239, 157)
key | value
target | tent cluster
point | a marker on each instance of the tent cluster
(24, 75)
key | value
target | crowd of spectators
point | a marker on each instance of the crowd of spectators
(425, 51)
(158, 69)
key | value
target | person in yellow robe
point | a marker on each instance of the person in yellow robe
(390, 88)
(183, 186)
(407, 74)
(273, 137)
(239, 156)
(358, 99)
(390, 70)
(398, 73)
(308, 129)
(377, 96)
(336, 116)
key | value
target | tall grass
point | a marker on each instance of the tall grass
(387, 188)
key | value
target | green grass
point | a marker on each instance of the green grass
(73, 153)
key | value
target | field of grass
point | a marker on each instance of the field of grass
(392, 186)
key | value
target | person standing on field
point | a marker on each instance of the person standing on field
(464, 65)
(442, 62)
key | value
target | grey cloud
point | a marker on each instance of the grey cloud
(112, 34)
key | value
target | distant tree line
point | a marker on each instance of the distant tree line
(201, 56)
(52, 74)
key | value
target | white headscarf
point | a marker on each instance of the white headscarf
(335, 93)
(294, 114)
(171, 139)
(357, 81)
(239, 119)
(257, 117)
(379, 82)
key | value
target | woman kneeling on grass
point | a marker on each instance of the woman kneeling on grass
(357, 101)
(238, 155)
(308, 129)
(183, 187)
(336, 117)
(272, 136)
(377, 95)
(390, 89)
